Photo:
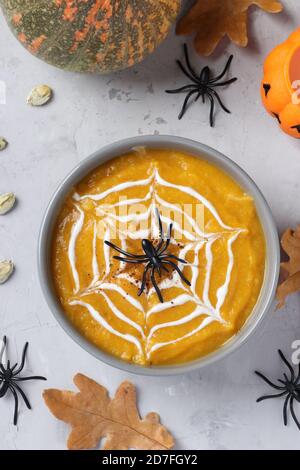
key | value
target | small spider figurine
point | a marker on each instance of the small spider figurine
(289, 388)
(156, 258)
(202, 86)
(9, 379)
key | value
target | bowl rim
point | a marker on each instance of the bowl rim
(193, 148)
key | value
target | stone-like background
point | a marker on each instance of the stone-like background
(211, 409)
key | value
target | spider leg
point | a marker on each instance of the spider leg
(162, 251)
(293, 412)
(23, 360)
(144, 279)
(287, 364)
(156, 286)
(200, 94)
(220, 101)
(168, 255)
(164, 268)
(16, 404)
(161, 230)
(221, 75)
(33, 377)
(286, 378)
(2, 367)
(188, 63)
(130, 260)
(297, 395)
(23, 395)
(212, 108)
(187, 73)
(160, 246)
(298, 376)
(170, 231)
(227, 82)
(158, 268)
(263, 377)
(185, 103)
(125, 253)
(178, 270)
(282, 382)
(168, 241)
(267, 397)
(285, 406)
(181, 89)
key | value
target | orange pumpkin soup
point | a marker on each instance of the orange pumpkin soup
(216, 234)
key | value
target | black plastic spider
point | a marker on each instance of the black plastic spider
(9, 379)
(156, 258)
(202, 85)
(290, 389)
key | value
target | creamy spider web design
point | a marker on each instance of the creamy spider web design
(192, 243)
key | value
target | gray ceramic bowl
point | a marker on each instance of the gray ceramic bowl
(193, 148)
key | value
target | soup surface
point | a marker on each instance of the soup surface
(216, 230)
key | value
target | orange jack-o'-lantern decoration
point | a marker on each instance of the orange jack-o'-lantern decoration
(280, 88)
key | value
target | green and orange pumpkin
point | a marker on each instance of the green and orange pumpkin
(280, 87)
(98, 36)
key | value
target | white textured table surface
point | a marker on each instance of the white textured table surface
(211, 409)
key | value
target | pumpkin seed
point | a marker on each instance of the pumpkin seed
(6, 270)
(3, 143)
(39, 95)
(7, 202)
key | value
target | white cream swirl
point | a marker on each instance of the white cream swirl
(76, 229)
(196, 241)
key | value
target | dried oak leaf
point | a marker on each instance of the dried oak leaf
(290, 270)
(93, 415)
(211, 20)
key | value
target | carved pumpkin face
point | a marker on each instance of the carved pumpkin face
(280, 88)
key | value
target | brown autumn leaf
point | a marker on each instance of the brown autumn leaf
(211, 20)
(93, 415)
(290, 270)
